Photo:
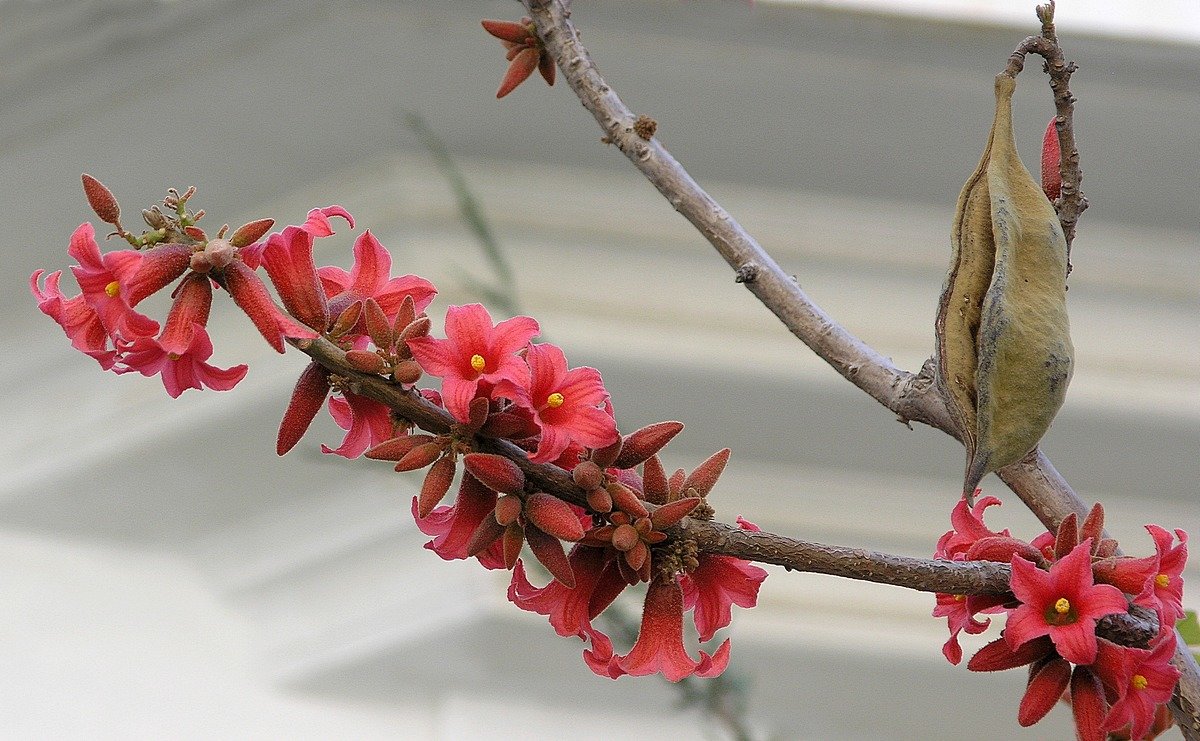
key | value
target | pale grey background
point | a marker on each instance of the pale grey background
(164, 575)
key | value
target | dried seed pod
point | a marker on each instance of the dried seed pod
(1004, 349)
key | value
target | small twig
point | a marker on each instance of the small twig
(1071, 201)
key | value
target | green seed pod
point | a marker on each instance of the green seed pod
(1004, 353)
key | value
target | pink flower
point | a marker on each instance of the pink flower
(476, 356)
(452, 527)
(288, 258)
(104, 280)
(77, 318)
(566, 404)
(1063, 603)
(659, 646)
(1151, 682)
(968, 527)
(1168, 583)
(178, 354)
(181, 370)
(718, 583)
(959, 611)
(366, 421)
(369, 278)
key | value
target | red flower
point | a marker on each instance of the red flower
(77, 318)
(370, 278)
(1168, 583)
(715, 585)
(1151, 681)
(476, 356)
(105, 280)
(959, 611)
(452, 527)
(570, 609)
(968, 527)
(288, 258)
(659, 646)
(566, 404)
(366, 421)
(1063, 603)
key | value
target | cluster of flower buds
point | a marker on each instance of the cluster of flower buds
(525, 53)
(495, 382)
(1062, 584)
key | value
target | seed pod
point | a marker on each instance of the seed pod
(1004, 349)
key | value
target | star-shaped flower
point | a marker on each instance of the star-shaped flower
(1063, 603)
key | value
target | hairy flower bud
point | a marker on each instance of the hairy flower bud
(553, 516)
(641, 444)
(249, 233)
(101, 199)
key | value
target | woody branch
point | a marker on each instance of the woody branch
(911, 396)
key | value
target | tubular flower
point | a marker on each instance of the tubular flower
(715, 585)
(476, 356)
(1063, 603)
(659, 646)
(567, 404)
(288, 258)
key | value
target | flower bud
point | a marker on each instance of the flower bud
(508, 509)
(553, 516)
(251, 232)
(587, 475)
(437, 483)
(495, 472)
(101, 199)
(643, 443)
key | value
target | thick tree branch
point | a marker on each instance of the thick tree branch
(910, 396)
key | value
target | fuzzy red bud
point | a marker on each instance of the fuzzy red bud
(643, 443)
(495, 472)
(101, 199)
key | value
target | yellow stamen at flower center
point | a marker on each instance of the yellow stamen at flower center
(173, 356)
(1139, 682)
(1062, 606)
(555, 400)
(112, 289)
(960, 598)
(1162, 580)
(478, 363)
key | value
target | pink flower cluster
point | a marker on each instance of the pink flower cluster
(1062, 584)
(494, 380)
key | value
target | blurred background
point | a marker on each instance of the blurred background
(163, 574)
